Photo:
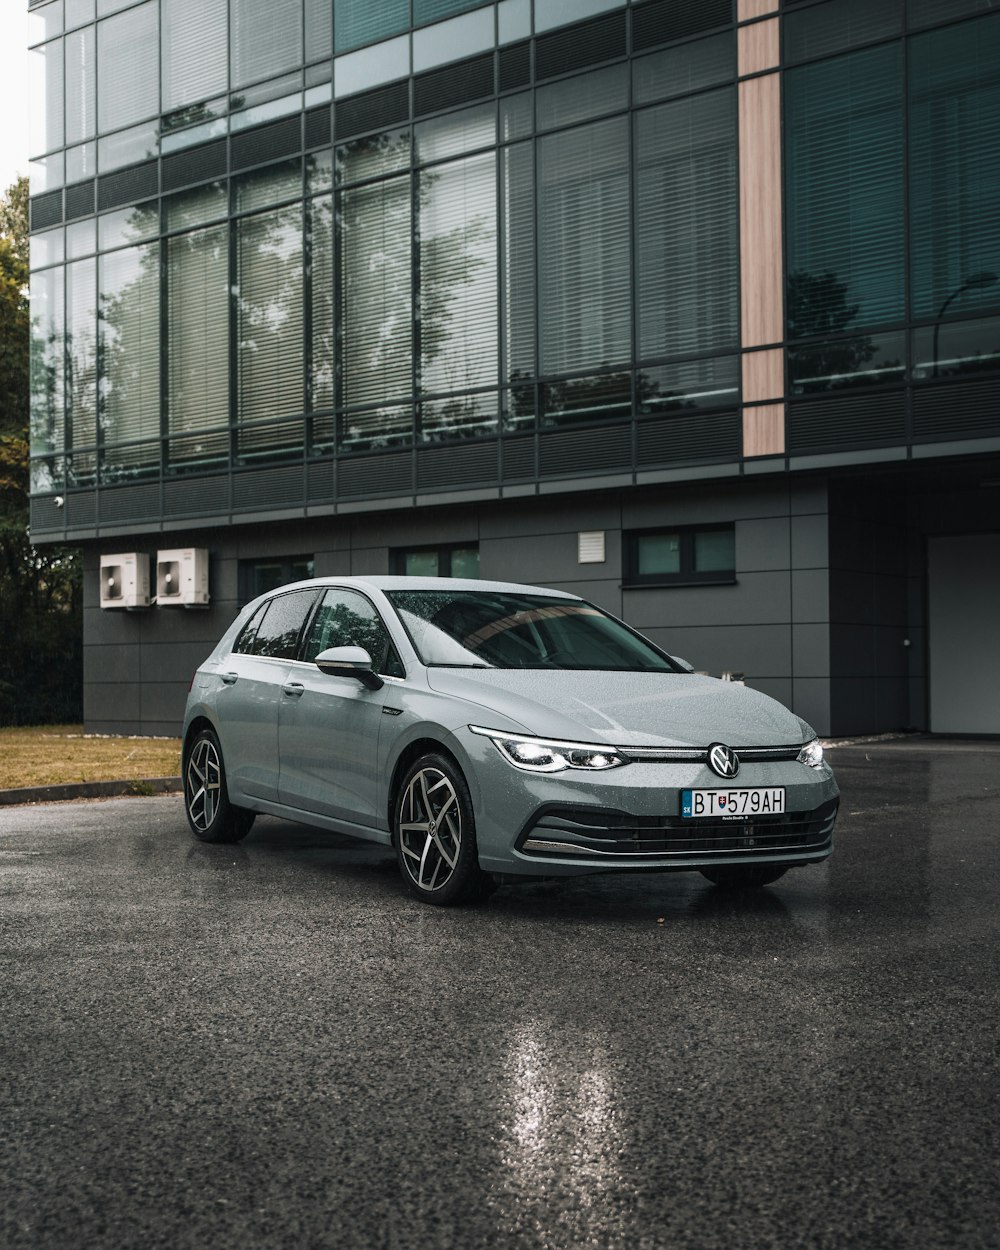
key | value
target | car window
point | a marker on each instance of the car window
(278, 632)
(347, 619)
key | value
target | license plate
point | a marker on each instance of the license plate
(733, 804)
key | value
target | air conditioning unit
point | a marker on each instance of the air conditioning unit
(125, 580)
(182, 577)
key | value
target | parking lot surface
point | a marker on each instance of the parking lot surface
(272, 1045)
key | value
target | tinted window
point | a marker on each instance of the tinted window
(244, 643)
(278, 633)
(496, 629)
(347, 619)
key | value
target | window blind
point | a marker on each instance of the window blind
(130, 344)
(48, 325)
(517, 189)
(128, 67)
(265, 38)
(81, 350)
(687, 221)
(81, 97)
(198, 330)
(356, 22)
(195, 51)
(320, 271)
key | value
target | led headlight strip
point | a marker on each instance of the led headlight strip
(549, 755)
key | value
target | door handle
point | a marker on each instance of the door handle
(293, 689)
(230, 679)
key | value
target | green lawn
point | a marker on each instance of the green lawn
(52, 755)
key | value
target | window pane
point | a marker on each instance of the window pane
(836, 26)
(347, 619)
(688, 225)
(319, 29)
(375, 304)
(81, 98)
(265, 38)
(421, 563)
(458, 275)
(844, 187)
(690, 384)
(269, 317)
(432, 10)
(372, 156)
(455, 134)
(198, 335)
(862, 360)
(678, 71)
(584, 255)
(265, 187)
(81, 350)
(360, 21)
(517, 190)
(951, 347)
(130, 352)
(47, 361)
(465, 562)
(194, 54)
(954, 169)
(278, 633)
(128, 67)
(459, 416)
(321, 302)
(714, 551)
(658, 553)
(45, 111)
(604, 397)
(577, 99)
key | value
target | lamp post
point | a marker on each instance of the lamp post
(974, 282)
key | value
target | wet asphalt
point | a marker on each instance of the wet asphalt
(272, 1045)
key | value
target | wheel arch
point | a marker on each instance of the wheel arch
(413, 751)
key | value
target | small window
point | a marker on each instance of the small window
(680, 556)
(257, 577)
(347, 619)
(244, 643)
(279, 631)
(454, 560)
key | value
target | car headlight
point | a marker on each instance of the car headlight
(811, 754)
(548, 755)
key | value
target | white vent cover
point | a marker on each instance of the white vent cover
(590, 547)
(125, 580)
(182, 577)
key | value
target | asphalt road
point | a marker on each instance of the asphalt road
(273, 1046)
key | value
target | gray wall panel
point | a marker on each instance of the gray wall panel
(112, 662)
(762, 544)
(757, 650)
(810, 542)
(810, 595)
(112, 701)
(811, 701)
(810, 651)
(756, 598)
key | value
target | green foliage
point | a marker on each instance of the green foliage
(40, 597)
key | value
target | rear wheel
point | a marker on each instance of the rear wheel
(206, 799)
(435, 834)
(743, 876)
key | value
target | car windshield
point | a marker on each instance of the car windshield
(501, 629)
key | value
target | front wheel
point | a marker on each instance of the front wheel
(435, 834)
(206, 799)
(743, 876)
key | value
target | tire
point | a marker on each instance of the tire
(206, 799)
(435, 834)
(743, 876)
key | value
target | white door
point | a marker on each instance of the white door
(963, 583)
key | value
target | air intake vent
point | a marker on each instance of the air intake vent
(457, 466)
(515, 66)
(267, 143)
(372, 110)
(664, 20)
(129, 503)
(268, 488)
(196, 165)
(585, 451)
(676, 440)
(369, 477)
(518, 459)
(46, 210)
(81, 510)
(80, 200)
(455, 84)
(195, 496)
(957, 410)
(580, 46)
(846, 422)
(127, 186)
(319, 480)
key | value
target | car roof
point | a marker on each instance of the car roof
(386, 582)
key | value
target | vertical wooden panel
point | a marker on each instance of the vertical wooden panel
(760, 211)
(758, 47)
(747, 10)
(763, 375)
(764, 430)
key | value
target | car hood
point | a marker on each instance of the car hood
(623, 709)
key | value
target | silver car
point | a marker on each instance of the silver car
(490, 731)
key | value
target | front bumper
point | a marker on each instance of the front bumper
(629, 818)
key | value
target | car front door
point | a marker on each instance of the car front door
(328, 727)
(251, 679)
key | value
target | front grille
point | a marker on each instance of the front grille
(596, 833)
(699, 755)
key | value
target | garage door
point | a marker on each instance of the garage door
(963, 577)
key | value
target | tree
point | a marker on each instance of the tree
(40, 599)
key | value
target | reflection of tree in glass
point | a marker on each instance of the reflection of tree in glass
(817, 305)
(601, 397)
(350, 624)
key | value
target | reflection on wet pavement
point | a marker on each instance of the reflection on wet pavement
(274, 1044)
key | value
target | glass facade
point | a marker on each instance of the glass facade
(303, 231)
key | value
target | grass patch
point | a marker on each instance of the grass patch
(53, 755)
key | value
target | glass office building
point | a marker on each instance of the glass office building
(690, 307)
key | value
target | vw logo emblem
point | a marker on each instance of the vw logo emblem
(723, 760)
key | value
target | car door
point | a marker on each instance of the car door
(251, 678)
(328, 727)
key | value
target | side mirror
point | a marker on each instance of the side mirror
(349, 662)
(683, 665)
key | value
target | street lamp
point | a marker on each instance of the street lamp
(974, 282)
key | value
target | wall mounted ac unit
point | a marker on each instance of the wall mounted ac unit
(182, 577)
(125, 580)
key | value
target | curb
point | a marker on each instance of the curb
(91, 790)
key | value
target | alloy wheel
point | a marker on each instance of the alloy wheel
(204, 784)
(430, 829)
